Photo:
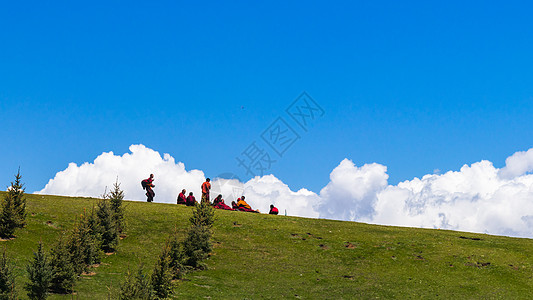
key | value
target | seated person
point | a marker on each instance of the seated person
(219, 203)
(234, 205)
(273, 210)
(181, 197)
(242, 203)
(243, 206)
(191, 201)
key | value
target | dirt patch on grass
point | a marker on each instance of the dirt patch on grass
(51, 224)
(6, 239)
(349, 245)
(122, 236)
(88, 273)
(348, 277)
(235, 224)
(478, 264)
(324, 247)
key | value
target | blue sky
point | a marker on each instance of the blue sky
(415, 86)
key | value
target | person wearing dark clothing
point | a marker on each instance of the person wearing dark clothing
(273, 210)
(148, 185)
(191, 201)
(219, 203)
(181, 197)
(234, 205)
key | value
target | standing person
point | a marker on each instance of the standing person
(191, 201)
(273, 210)
(181, 197)
(206, 186)
(148, 184)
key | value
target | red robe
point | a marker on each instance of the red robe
(222, 205)
(191, 201)
(182, 199)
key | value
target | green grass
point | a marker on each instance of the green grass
(261, 256)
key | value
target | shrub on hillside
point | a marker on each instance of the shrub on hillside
(196, 246)
(84, 243)
(176, 257)
(162, 275)
(40, 275)
(13, 205)
(7, 279)
(19, 200)
(106, 225)
(203, 215)
(63, 270)
(116, 197)
(136, 286)
(8, 217)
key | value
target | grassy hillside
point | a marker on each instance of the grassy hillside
(261, 256)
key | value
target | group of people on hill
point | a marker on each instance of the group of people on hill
(190, 200)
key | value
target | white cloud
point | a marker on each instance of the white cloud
(518, 164)
(91, 179)
(477, 198)
(352, 192)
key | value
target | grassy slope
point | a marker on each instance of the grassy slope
(262, 256)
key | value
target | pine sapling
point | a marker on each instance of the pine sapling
(84, 244)
(40, 275)
(162, 275)
(7, 278)
(8, 217)
(136, 286)
(63, 270)
(196, 247)
(203, 215)
(116, 197)
(106, 225)
(19, 200)
(176, 257)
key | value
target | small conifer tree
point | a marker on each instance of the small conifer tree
(63, 270)
(13, 205)
(7, 278)
(106, 225)
(19, 200)
(40, 275)
(176, 257)
(136, 286)
(203, 215)
(8, 217)
(84, 244)
(162, 275)
(116, 197)
(196, 246)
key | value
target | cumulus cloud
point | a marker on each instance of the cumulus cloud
(91, 179)
(476, 198)
(352, 192)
